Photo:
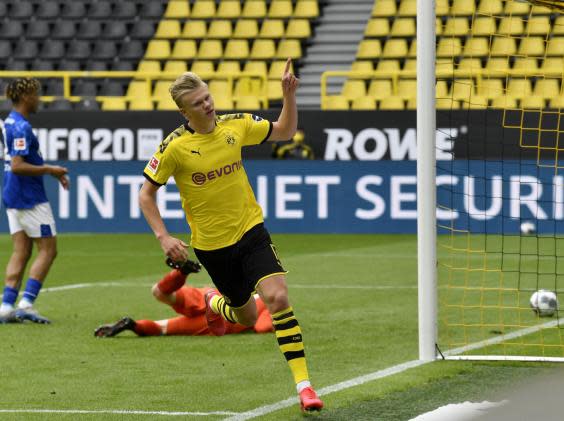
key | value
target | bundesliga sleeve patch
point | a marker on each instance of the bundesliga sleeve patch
(257, 118)
(153, 165)
(20, 144)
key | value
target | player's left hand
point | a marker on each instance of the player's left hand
(289, 81)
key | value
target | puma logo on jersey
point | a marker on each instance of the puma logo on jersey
(196, 152)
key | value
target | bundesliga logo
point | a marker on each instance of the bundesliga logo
(153, 165)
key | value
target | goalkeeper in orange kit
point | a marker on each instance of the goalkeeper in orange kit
(189, 303)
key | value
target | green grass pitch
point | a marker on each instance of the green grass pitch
(354, 295)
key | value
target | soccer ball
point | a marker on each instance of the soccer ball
(544, 303)
(527, 228)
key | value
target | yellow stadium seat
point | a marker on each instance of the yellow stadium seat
(525, 63)
(162, 89)
(220, 88)
(388, 66)
(498, 65)
(210, 49)
(256, 67)
(274, 90)
(471, 64)
(490, 7)
(407, 88)
(184, 49)
(532, 46)
(229, 9)
(247, 103)
(369, 49)
(335, 102)
(149, 66)
(447, 104)
(557, 102)
(519, 88)
(477, 47)
(410, 64)
(555, 46)
(380, 89)
(141, 104)
(195, 29)
(438, 27)
(254, 9)
(412, 48)
(411, 104)
(503, 46)
(462, 89)
(474, 103)
(363, 103)
(247, 86)
(552, 64)
(246, 28)
(280, 9)
(558, 27)
(362, 66)
(463, 7)
(403, 27)
(203, 67)
(228, 67)
(538, 25)
(277, 69)
(483, 26)
(540, 10)
(547, 88)
(308, 9)
(289, 48)
(175, 66)
(533, 103)
(456, 27)
(407, 8)
(220, 28)
(445, 65)
(384, 8)
(395, 48)
(263, 49)
(441, 89)
(139, 89)
(203, 9)
(441, 7)
(298, 28)
(157, 49)
(517, 8)
(391, 103)
(166, 104)
(449, 47)
(236, 49)
(353, 89)
(512, 25)
(177, 9)
(223, 103)
(490, 88)
(114, 104)
(168, 29)
(377, 27)
(272, 28)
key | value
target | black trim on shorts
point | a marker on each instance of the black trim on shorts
(269, 132)
(153, 181)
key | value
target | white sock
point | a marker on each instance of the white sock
(6, 308)
(24, 303)
(302, 385)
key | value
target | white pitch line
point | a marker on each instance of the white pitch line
(113, 411)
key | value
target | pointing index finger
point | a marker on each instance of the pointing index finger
(287, 68)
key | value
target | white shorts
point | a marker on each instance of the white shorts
(36, 222)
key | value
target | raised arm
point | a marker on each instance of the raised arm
(172, 247)
(287, 123)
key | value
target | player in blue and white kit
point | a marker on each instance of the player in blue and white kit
(29, 214)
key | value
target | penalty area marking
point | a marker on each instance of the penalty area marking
(114, 411)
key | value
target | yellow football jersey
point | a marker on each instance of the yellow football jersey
(217, 198)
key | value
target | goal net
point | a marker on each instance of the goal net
(500, 199)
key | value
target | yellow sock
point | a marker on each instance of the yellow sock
(219, 306)
(289, 336)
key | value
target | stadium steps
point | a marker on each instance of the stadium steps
(334, 46)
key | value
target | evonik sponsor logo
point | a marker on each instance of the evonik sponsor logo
(200, 178)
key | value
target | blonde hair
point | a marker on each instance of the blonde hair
(186, 83)
(18, 88)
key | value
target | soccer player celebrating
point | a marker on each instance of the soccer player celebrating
(189, 302)
(29, 214)
(228, 235)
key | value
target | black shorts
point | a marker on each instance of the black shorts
(236, 270)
